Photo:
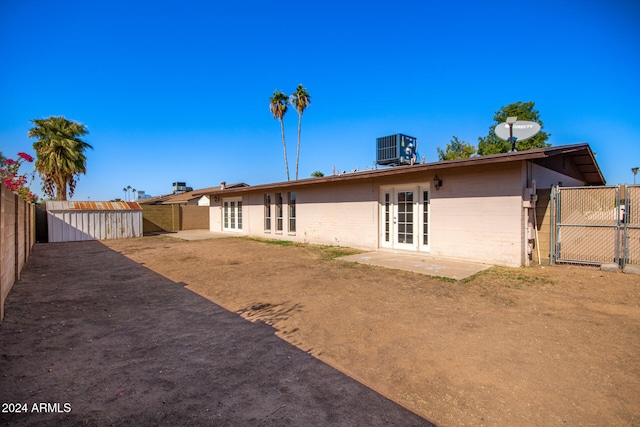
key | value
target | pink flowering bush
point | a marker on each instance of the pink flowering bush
(13, 180)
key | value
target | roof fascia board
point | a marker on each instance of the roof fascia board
(540, 153)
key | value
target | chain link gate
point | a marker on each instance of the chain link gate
(595, 225)
(631, 237)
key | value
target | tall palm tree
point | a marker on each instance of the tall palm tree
(278, 106)
(301, 100)
(60, 157)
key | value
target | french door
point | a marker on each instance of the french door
(232, 214)
(404, 218)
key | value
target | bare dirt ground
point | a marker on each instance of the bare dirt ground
(508, 347)
(92, 338)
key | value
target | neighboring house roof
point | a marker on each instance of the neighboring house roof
(580, 154)
(154, 200)
(185, 197)
(57, 205)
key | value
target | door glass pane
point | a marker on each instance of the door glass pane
(279, 212)
(267, 211)
(232, 207)
(425, 217)
(387, 217)
(405, 217)
(292, 212)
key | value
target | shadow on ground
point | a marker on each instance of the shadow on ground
(101, 340)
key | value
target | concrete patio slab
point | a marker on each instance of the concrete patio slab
(419, 263)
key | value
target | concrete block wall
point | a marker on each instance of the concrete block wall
(17, 237)
(174, 217)
(194, 217)
(158, 218)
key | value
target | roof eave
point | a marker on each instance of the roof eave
(433, 166)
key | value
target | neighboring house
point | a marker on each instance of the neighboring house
(478, 209)
(182, 211)
(188, 198)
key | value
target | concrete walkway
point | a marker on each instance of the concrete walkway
(419, 263)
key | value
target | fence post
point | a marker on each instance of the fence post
(625, 226)
(552, 224)
(617, 229)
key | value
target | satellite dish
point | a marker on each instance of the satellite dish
(521, 130)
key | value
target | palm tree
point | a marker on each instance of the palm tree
(125, 193)
(60, 157)
(301, 100)
(278, 107)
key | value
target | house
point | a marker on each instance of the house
(198, 197)
(480, 209)
(187, 210)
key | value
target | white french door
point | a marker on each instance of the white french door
(404, 218)
(232, 214)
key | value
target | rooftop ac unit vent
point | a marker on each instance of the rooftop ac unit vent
(395, 150)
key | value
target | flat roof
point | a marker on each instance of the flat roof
(581, 155)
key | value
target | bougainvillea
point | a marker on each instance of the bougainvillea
(9, 174)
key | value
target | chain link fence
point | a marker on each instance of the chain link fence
(596, 225)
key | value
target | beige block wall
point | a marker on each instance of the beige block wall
(478, 215)
(193, 217)
(338, 215)
(8, 241)
(158, 218)
(17, 237)
(546, 178)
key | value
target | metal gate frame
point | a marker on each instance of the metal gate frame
(588, 230)
(631, 235)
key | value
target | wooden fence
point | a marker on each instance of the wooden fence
(17, 237)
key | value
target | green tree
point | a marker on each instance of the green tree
(278, 104)
(456, 150)
(317, 174)
(491, 144)
(60, 157)
(301, 100)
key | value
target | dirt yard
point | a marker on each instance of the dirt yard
(508, 347)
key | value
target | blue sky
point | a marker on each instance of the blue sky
(178, 91)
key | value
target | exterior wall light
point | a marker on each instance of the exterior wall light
(437, 182)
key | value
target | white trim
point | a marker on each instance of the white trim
(388, 238)
(232, 218)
